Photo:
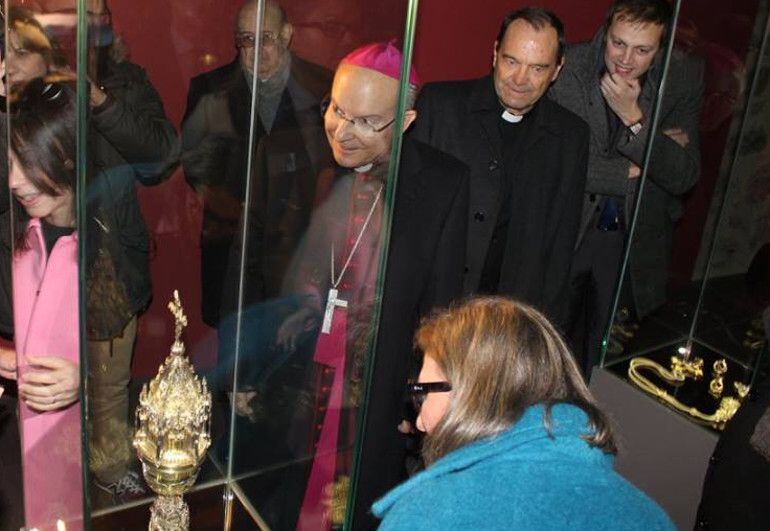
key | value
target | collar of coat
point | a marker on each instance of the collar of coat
(566, 421)
(483, 101)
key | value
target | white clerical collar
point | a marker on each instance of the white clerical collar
(365, 168)
(512, 118)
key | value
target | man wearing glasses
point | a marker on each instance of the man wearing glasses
(289, 150)
(338, 269)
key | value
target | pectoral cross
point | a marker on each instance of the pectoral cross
(331, 303)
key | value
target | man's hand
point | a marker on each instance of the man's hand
(622, 96)
(50, 383)
(678, 135)
(300, 321)
(7, 363)
(634, 171)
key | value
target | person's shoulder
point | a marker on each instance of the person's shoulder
(215, 77)
(317, 77)
(578, 61)
(461, 88)
(128, 71)
(577, 50)
(477, 497)
(432, 162)
(435, 504)
(564, 119)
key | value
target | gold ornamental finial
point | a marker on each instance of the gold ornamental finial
(176, 309)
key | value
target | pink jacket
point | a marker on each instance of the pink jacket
(45, 296)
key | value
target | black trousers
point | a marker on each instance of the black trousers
(594, 277)
(11, 492)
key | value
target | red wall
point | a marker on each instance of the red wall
(454, 37)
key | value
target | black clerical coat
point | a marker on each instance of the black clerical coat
(424, 271)
(461, 118)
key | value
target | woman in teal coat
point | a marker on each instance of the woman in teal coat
(514, 438)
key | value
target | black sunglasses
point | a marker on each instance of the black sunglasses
(418, 391)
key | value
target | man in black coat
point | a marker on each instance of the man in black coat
(527, 157)
(289, 150)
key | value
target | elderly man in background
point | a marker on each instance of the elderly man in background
(215, 147)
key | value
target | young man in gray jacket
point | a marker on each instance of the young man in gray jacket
(612, 82)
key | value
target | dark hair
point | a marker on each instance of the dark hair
(42, 139)
(501, 357)
(658, 12)
(538, 18)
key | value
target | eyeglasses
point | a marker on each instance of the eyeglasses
(418, 391)
(247, 39)
(363, 125)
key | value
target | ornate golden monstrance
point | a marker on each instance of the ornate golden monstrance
(173, 426)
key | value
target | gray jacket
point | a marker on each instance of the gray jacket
(673, 170)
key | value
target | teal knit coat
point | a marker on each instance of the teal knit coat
(526, 479)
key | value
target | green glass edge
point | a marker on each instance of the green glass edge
(244, 245)
(390, 194)
(81, 143)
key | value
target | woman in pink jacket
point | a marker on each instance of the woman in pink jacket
(42, 179)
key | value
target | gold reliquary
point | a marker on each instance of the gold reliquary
(173, 427)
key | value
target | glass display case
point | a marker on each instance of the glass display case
(170, 155)
(687, 322)
(186, 161)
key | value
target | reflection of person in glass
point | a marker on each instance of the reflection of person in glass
(42, 180)
(325, 30)
(129, 139)
(338, 269)
(215, 137)
(514, 438)
(527, 157)
(612, 82)
(27, 55)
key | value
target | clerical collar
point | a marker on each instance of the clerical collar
(511, 118)
(365, 168)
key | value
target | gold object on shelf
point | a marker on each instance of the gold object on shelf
(742, 389)
(717, 384)
(681, 369)
(173, 426)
